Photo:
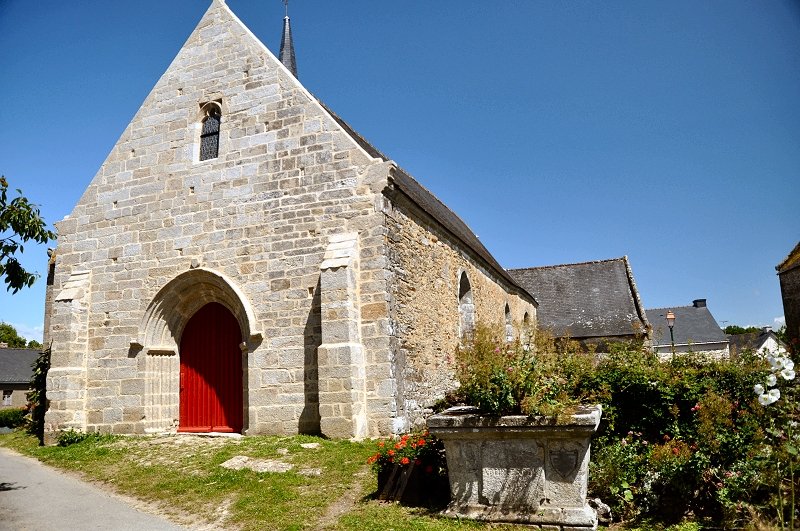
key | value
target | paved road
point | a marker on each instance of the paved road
(34, 497)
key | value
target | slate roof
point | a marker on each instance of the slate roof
(751, 341)
(693, 324)
(16, 365)
(586, 300)
(432, 206)
(286, 55)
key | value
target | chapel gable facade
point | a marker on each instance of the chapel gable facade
(243, 261)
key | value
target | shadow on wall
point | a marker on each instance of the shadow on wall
(312, 339)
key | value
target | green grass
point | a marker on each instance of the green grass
(181, 476)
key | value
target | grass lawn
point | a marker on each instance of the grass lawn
(180, 477)
(329, 487)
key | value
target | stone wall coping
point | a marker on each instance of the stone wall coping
(467, 418)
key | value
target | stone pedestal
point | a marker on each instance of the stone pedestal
(530, 470)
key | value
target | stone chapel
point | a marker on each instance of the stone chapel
(243, 261)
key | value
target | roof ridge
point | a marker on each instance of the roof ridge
(672, 307)
(622, 258)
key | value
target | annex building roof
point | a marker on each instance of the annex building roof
(587, 299)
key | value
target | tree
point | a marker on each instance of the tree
(9, 335)
(34, 344)
(736, 330)
(20, 222)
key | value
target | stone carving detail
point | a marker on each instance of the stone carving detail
(564, 461)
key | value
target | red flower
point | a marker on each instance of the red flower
(417, 462)
(421, 442)
(405, 461)
(676, 450)
(380, 444)
(391, 452)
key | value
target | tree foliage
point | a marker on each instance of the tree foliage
(737, 330)
(20, 222)
(9, 335)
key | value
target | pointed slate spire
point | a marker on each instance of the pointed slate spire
(286, 55)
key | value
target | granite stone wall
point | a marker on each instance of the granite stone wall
(790, 292)
(426, 264)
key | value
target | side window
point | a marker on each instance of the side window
(509, 325)
(466, 307)
(525, 335)
(7, 397)
(209, 134)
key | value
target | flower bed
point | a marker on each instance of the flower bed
(411, 470)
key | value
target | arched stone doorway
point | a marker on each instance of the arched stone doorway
(211, 372)
(162, 330)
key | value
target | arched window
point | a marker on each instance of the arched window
(526, 334)
(509, 325)
(466, 307)
(209, 135)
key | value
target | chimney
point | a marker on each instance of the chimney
(766, 329)
(3, 345)
(699, 303)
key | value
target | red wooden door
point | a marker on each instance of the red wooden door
(211, 372)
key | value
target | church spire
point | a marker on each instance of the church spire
(286, 55)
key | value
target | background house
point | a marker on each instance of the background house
(16, 372)
(765, 340)
(595, 303)
(695, 330)
(789, 276)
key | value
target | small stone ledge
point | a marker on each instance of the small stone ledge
(467, 418)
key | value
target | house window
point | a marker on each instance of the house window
(209, 135)
(7, 397)
(466, 307)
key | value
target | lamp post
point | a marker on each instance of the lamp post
(671, 324)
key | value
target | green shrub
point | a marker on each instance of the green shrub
(682, 437)
(37, 399)
(507, 378)
(70, 437)
(12, 417)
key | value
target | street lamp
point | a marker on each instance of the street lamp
(671, 324)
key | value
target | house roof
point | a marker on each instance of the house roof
(588, 299)
(16, 365)
(752, 341)
(693, 324)
(791, 261)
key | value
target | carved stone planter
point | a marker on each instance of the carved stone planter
(530, 470)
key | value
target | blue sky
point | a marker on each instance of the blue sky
(560, 132)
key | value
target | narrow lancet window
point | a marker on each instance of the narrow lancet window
(466, 308)
(209, 136)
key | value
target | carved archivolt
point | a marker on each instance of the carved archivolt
(176, 302)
